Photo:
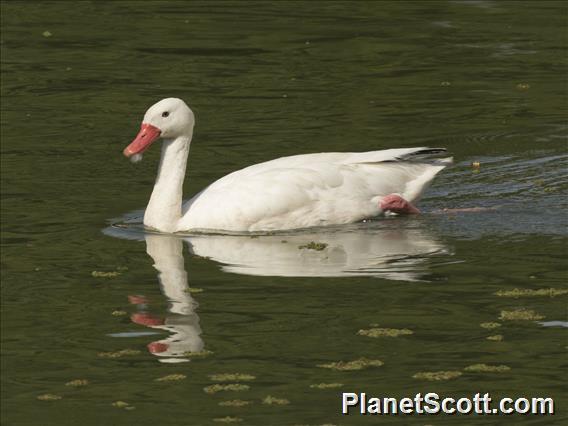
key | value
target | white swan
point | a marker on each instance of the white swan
(287, 193)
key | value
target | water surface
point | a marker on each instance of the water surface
(485, 79)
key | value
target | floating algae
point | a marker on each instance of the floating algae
(235, 387)
(484, 368)
(326, 385)
(101, 274)
(171, 378)
(525, 292)
(357, 364)
(119, 313)
(49, 397)
(521, 314)
(312, 245)
(385, 332)
(232, 377)
(436, 376)
(198, 354)
(272, 400)
(490, 325)
(235, 403)
(77, 382)
(228, 419)
(496, 338)
(123, 404)
(194, 290)
(119, 354)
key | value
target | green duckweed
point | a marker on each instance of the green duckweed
(124, 405)
(312, 245)
(521, 314)
(437, 375)
(384, 332)
(77, 383)
(357, 364)
(102, 274)
(49, 397)
(199, 354)
(496, 338)
(235, 403)
(119, 354)
(484, 368)
(234, 387)
(228, 419)
(272, 400)
(232, 377)
(326, 385)
(171, 378)
(490, 325)
(518, 292)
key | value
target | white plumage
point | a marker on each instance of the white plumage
(287, 193)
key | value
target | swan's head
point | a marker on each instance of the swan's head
(168, 118)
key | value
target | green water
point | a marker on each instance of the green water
(486, 79)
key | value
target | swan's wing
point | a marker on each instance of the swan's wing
(238, 202)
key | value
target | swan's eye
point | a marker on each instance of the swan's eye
(165, 114)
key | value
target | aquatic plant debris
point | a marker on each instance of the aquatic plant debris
(77, 383)
(234, 387)
(358, 364)
(232, 377)
(490, 325)
(198, 354)
(194, 290)
(49, 397)
(525, 292)
(312, 245)
(102, 274)
(119, 313)
(119, 354)
(272, 400)
(437, 376)
(385, 332)
(521, 314)
(484, 368)
(235, 403)
(123, 404)
(171, 378)
(496, 338)
(326, 385)
(228, 419)
(47, 34)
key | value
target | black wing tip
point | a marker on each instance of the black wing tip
(429, 151)
(421, 153)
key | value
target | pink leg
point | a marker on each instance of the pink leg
(396, 204)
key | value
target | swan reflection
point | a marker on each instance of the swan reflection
(396, 254)
(386, 251)
(181, 321)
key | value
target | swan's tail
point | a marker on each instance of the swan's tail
(432, 163)
(410, 169)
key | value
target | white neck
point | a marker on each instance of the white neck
(164, 209)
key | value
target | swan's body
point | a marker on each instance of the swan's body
(287, 193)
